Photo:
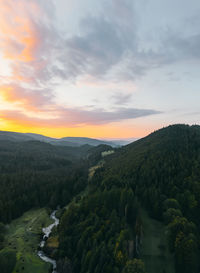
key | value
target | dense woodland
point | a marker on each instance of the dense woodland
(102, 232)
(36, 174)
(162, 172)
(97, 235)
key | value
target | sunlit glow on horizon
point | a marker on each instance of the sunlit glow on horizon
(93, 79)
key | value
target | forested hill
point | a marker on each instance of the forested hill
(103, 229)
(165, 163)
(37, 174)
(159, 173)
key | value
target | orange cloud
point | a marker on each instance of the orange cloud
(8, 94)
(22, 38)
(18, 35)
(28, 99)
(58, 117)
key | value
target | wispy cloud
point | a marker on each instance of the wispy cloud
(107, 45)
(28, 40)
(121, 98)
(106, 49)
(29, 99)
(75, 117)
(38, 55)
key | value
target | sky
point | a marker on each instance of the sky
(98, 68)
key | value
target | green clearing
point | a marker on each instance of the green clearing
(93, 169)
(100, 164)
(23, 236)
(155, 252)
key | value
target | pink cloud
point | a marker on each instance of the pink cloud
(37, 54)
(26, 39)
(70, 117)
(19, 39)
(28, 99)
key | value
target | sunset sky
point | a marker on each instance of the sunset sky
(98, 68)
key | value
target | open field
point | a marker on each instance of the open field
(155, 251)
(23, 236)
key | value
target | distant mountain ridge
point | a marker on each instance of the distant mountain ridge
(65, 141)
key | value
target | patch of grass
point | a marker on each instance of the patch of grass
(106, 153)
(23, 236)
(7, 260)
(155, 251)
(93, 169)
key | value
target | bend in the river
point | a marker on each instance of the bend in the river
(47, 231)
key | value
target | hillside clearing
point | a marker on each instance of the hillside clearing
(155, 253)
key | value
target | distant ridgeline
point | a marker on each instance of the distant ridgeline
(160, 173)
(103, 231)
(65, 141)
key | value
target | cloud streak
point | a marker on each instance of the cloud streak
(76, 117)
(121, 98)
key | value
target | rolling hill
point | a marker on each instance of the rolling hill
(65, 141)
(151, 186)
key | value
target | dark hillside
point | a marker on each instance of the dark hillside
(159, 173)
(166, 163)
(37, 174)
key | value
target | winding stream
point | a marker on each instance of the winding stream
(47, 232)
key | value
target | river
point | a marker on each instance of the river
(47, 231)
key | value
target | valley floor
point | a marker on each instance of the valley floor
(23, 236)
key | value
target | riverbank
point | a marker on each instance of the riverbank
(46, 236)
(23, 236)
